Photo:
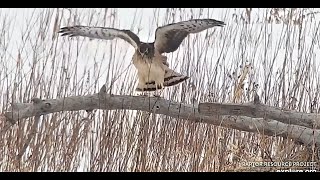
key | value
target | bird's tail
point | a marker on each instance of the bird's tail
(171, 78)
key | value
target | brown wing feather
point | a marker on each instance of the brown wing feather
(101, 33)
(169, 37)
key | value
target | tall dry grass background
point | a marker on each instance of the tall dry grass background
(281, 46)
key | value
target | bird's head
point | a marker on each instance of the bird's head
(146, 49)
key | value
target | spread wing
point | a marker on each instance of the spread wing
(169, 37)
(101, 33)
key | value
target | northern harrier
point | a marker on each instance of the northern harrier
(153, 69)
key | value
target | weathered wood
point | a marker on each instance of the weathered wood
(257, 110)
(102, 100)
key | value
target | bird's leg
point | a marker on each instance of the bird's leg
(159, 90)
(144, 93)
(156, 94)
(141, 85)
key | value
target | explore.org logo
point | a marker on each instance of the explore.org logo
(296, 170)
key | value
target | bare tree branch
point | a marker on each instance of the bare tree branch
(156, 105)
(257, 110)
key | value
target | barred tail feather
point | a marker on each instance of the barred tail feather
(171, 78)
(150, 86)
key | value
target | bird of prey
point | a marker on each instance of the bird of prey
(152, 66)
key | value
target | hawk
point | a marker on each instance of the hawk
(152, 66)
